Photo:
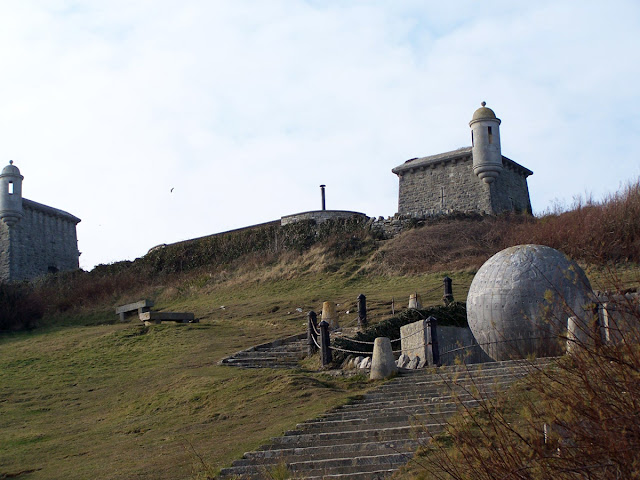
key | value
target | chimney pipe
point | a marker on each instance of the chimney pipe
(324, 207)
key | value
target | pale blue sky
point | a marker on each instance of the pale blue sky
(245, 107)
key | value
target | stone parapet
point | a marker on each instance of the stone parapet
(320, 216)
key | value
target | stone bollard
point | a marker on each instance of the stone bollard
(414, 301)
(448, 291)
(312, 336)
(383, 365)
(330, 315)
(325, 352)
(362, 312)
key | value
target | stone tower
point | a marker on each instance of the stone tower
(35, 239)
(11, 195)
(475, 179)
(485, 144)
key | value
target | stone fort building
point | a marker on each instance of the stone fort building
(475, 179)
(34, 239)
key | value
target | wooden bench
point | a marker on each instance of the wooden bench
(138, 307)
(157, 317)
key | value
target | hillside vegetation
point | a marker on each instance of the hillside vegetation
(81, 393)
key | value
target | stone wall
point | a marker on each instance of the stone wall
(320, 216)
(43, 241)
(446, 183)
(443, 188)
(5, 263)
(450, 339)
(509, 192)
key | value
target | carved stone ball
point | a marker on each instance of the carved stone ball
(520, 299)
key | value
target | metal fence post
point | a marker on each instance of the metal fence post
(448, 291)
(325, 343)
(362, 312)
(433, 351)
(312, 336)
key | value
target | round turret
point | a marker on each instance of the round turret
(10, 194)
(485, 144)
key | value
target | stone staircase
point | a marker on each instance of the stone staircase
(372, 437)
(282, 353)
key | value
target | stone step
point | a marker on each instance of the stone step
(324, 467)
(425, 377)
(398, 419)
(352, 427)
(276, 456)
(372, 436)
(478, 369)
(434, 388)
(390, 411)
(435, 396)
(376, 475)
(259, 361)
(268, 354)
(282, 353)
(262, 365)
(298, 347)
(300, 439)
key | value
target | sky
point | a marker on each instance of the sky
(156, 121)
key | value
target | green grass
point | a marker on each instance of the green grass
(85, 396)
(125, 401)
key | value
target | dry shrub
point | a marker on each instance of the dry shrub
(596, 232)
(73, 290)
(20, 307)
(457, 244)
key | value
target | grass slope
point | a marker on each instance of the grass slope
(83, 398)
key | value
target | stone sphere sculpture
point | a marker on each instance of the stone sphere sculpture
(520, 299)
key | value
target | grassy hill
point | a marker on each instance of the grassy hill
(82, 396)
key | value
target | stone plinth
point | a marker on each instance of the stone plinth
(416, 341)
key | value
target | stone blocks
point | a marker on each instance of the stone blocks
(157, 317)
(137, 307)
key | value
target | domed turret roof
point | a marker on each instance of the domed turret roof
(483, 113)
(11, 169)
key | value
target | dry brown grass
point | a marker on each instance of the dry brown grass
(444, 246)
(596, 232)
